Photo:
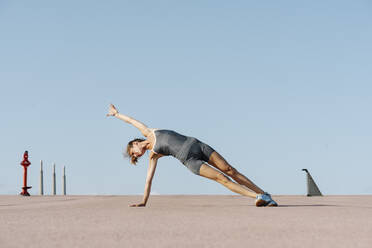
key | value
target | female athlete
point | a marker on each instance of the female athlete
(197, 156)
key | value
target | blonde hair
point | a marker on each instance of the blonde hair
(133, 159)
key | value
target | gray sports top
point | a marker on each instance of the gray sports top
(169, 142)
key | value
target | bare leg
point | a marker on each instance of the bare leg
(220, 163)
(211, 173)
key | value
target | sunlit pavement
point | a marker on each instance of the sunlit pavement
(184, 221)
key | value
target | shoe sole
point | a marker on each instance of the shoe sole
(261, 203)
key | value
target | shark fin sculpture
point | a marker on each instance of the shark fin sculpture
(312, 188)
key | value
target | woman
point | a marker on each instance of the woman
(200, 158)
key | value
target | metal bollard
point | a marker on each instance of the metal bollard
(41, 182)
(64, 181)
(54, 180)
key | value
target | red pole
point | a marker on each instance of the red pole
(25, 163)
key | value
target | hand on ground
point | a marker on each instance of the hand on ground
(138, 205)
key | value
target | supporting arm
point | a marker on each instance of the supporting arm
(150, 175)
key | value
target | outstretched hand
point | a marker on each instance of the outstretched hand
(112, 110)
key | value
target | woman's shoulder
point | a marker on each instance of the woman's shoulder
(153, 130)
(160, 129)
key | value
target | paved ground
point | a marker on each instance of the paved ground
(184, 221)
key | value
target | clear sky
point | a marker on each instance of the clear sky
(274, 86)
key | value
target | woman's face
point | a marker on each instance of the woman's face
(137, 150)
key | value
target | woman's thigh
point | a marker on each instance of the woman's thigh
(219, 162)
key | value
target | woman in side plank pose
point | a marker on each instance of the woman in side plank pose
(194, 154)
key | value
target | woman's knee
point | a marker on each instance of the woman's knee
(231, 171)
(221, 178)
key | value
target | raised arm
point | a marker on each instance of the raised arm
(142, 127)
(150, 175)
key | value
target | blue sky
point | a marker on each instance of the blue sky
(273, 86)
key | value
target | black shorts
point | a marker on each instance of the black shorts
(199, 153)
